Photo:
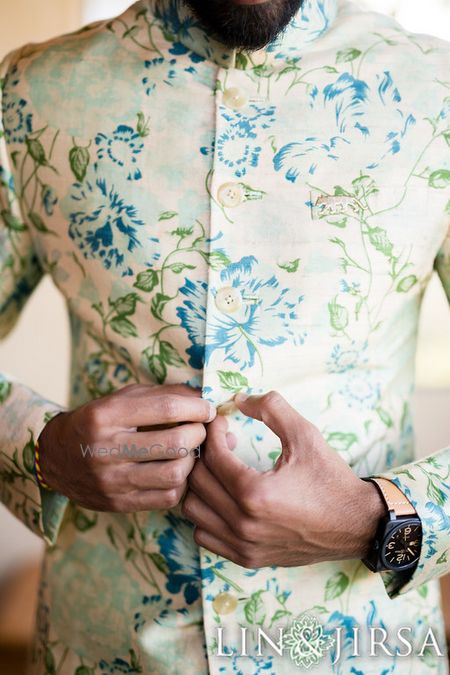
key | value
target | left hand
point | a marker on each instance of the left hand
(309, 508)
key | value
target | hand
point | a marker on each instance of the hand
(309, 508)
(84, 452)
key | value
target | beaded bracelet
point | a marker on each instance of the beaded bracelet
(37, 467)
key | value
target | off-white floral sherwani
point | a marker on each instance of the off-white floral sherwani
(237, 222)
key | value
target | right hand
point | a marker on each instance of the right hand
(117, 481)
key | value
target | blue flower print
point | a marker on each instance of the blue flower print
(17, 118)
(238, 147)
(120, 667)
(193, 319)
(248, 665)
(342, 359)
(49, 199)
(179, 551)
(360, 392)
(175, 21)
(122, 148)
(103, 226)
(269, 321)
(354, 109)
(166, 69)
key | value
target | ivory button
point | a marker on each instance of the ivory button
(224, 603)
(228, 299)
(235, 98)
(230, 195)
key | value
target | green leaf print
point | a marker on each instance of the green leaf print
(79, 159)
(336, 585)
(379, 240)
(146, 281)
(291, 266)
(159, 562)
(385, 417)
(169, 354)
(36, 151)
(158, 303)
(338, 315)
(50, 668)
(179, 267)
(125, 305)
(439, 179)
(279, 614)
(167, 215)
(28, 456)
(82, 522)
(435, 493)
(442, 559)
(254, 609)
(84, 670)
(232, 381)
(347, 55)
(134, 661)
(274, 455)
(157, 367)
(5, 390)
(423, 590)
(12, 222)
(241, 61)
(341, 441)
(143, 125)
(124, 327)
(38, 223)
(404, 285)
(217, 260)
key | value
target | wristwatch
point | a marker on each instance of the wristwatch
(398, 539)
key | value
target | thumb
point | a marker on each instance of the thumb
(276, 413)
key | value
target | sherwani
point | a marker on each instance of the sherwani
(237, 222)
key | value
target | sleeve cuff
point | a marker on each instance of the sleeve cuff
(426, 484)
(23, 415)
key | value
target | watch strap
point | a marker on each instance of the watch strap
(393, 497)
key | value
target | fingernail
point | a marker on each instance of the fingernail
(212, 412)
(241, 397)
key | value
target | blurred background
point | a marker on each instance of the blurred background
(38, 350)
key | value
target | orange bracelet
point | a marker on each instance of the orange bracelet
(39, 476)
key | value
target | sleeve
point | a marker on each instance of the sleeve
(426, 483)
(23, 413)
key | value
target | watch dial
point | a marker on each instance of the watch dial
(403, 547)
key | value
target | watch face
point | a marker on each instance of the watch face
(402, 548)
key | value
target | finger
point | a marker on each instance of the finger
(217, 546)
(137, 390)
(274, 411)
(155, 409)
(230, 471)
(167, 444)
(206, 486)
(146, 500)
(158, 475)
(203, 516)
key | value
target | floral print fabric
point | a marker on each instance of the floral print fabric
(162, 179)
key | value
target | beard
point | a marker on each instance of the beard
(247, 27)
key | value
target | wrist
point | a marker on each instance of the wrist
(43, 452)
(368, 509)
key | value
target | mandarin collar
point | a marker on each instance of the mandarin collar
(180, 25)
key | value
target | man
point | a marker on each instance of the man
(242, 203)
